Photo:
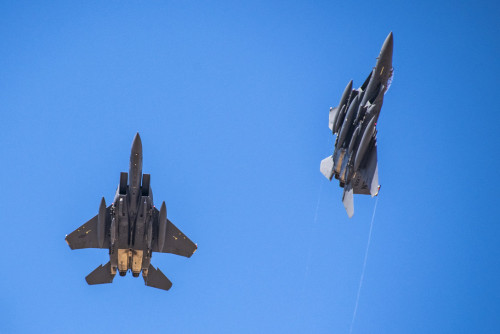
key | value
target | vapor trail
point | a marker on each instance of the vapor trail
(364, 266)
(312, 227)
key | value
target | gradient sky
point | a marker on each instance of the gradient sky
(231, 100)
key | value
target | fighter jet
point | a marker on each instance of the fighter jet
(354, 121)
(131, 228)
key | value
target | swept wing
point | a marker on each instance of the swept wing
(176, 242)
(86, 235)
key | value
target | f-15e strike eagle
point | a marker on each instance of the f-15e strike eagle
(132, 229)
(354, 120)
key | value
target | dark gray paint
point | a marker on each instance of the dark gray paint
(354, 159)
(130, 225)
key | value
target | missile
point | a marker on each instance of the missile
(348, 121)
(336, 119)
(353, 139)
(363, 144)
(345, 94)
(342, 108)
(101, 223)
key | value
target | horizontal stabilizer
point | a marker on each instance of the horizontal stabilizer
(100, 275)
(326, 167)
(348, 200)
(157, 279)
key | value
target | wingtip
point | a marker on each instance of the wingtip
(66, 239)
(195, 249)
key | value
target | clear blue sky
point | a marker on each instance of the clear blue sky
(231, 100)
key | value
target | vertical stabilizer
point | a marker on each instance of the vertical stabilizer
(375, 187)
(348, 200)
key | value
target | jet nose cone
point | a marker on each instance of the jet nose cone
(388, 41)
(137, 144)
(387, 47)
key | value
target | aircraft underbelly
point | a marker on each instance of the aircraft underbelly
(130, 259)
(123, 255)
(137, 261)
(338, 163)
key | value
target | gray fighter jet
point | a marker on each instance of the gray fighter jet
(132, 229)
(354, 120)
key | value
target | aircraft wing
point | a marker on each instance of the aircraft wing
(176, 242)
(366, 178)
(86, 235)
(359, 186)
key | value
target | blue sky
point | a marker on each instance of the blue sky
(231, 100)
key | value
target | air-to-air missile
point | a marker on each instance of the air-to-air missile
(131, 228)
(354, 120)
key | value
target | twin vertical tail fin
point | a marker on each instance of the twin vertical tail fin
(348, 200)
(328, 169)
(101, 275)
(156, 279)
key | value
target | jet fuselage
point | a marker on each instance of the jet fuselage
(354, 120)
(131, 228)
